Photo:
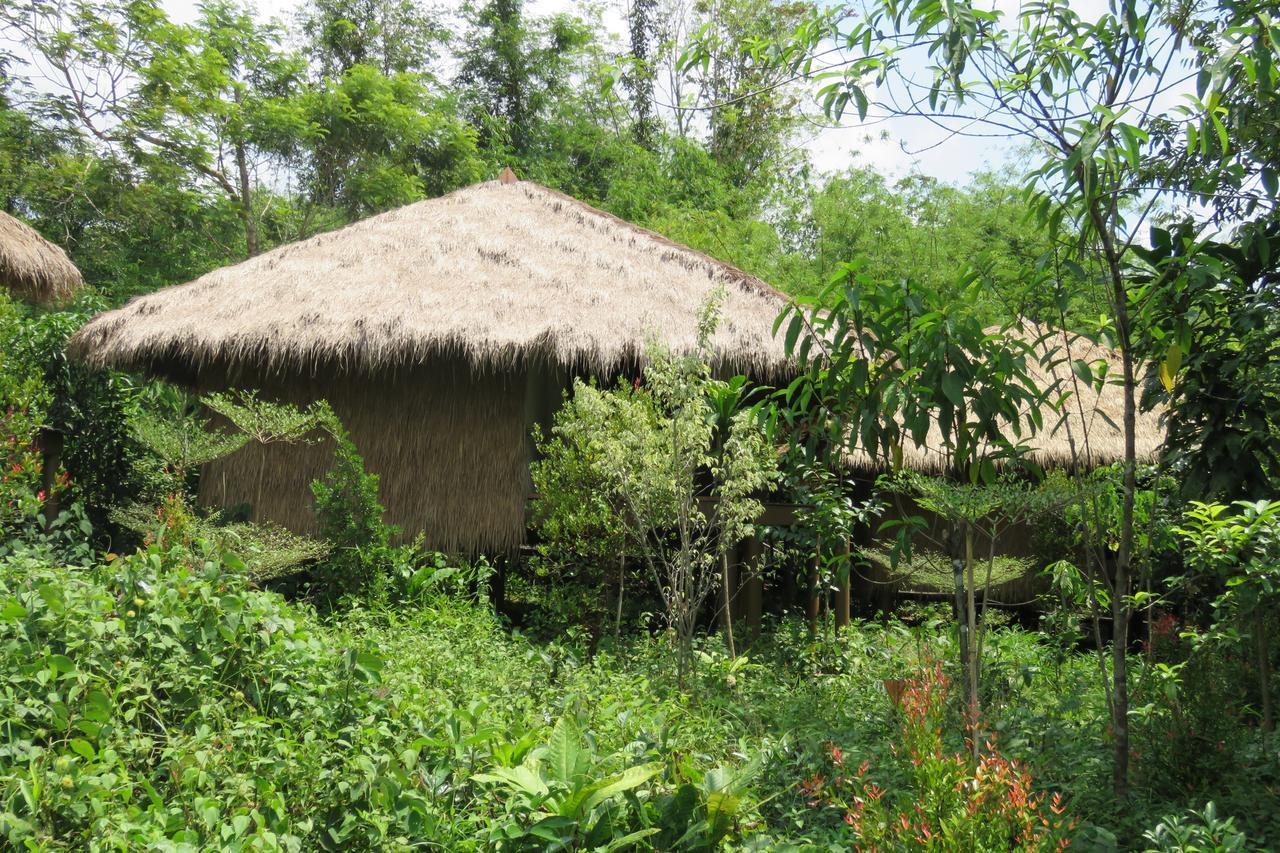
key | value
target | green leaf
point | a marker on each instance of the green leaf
(953, 388)
(60, 663)
(1269, 180)
(566, 759)
(629, 841)
(793, 332)
(629, 779)
(82, 748)
(523, 779)
(97, 707)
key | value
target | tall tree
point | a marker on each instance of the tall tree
(384, 141)
(639, 78)
(393, 36)
(750, 108)
(512, 69)
(216, 97)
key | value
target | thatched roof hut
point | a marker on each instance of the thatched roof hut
(441, 332)
(31, 267)
(1086, 425)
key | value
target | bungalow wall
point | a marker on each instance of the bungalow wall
(450, 444)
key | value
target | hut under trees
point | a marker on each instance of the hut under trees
(1081, 432)
(441, 333)
(1081, 423)
(31, 267)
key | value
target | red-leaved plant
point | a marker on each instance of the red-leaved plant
(950, 801)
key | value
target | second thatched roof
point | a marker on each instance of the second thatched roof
(498, 272)
(1082, 424)
(31, 267)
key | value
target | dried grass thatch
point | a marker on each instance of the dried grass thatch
(1086, 428)
(449, 446)
(498, 273)
(31, 267)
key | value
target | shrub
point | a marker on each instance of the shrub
(932, 799)
(154, 701)
(648, 466)
(1196, 832)
(88, 409)
(361, 558)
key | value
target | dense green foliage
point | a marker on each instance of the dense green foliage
(157, 697)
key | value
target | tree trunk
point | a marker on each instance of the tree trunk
(51, 461)
(727, 583)
(1264, 669)
(754, 588)
(972, 617)
(246, 202)
(962, 621)
(622, 585)
(1120, 604)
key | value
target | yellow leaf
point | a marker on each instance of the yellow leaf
(1169, 367)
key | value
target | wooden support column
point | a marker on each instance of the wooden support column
(51, 461)
(498, 583)
(815, 597)
(753, 587)
(844, 594)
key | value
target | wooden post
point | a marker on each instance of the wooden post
(844, 595)
(51, 461)
(753, 592)
(498, 583)
(815, 597)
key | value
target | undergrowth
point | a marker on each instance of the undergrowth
(159, 701)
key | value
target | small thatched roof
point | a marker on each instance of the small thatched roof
(1088, 420)
(33, 268)
(498, 273)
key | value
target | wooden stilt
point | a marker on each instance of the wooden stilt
(498, 584)
(815, 594)
(51, 447)
(844, 594)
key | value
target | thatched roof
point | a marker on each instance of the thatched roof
(33, 268)
(1086, 419)
(498, 272)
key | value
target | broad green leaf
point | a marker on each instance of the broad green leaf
(523, 779)
(953, 387)
(82, 748)
(632, 777)
(566, 759)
